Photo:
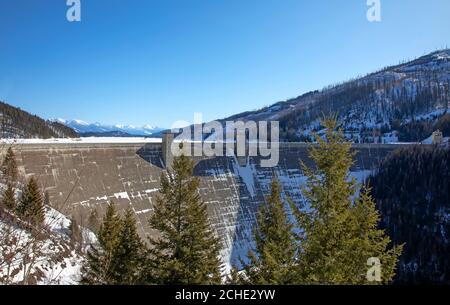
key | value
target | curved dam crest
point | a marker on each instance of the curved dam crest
(82, 177)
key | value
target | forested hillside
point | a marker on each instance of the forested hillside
(16, 123)
(386, 106)
(411, 189)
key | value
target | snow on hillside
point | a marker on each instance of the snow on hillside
(370, 108)
(59, 224)
(48, 259)
(432, 115)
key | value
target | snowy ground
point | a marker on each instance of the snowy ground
(50, 261)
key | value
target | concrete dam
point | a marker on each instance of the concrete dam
(80, 177)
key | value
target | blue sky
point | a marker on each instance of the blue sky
(159, 61)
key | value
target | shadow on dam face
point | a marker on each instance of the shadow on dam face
(233, 190)
(152, 154)
(83, 177)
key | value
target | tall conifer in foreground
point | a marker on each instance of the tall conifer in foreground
(129, 253)
(8, 200)
(117, 259)
(9, 166)
(274, 256)
(31, 205)
(75, 234)
(9, 173)
(93, 221)
(339, 235)
(187, 249)
(98, 268)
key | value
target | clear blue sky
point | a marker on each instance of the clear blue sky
(158, 61)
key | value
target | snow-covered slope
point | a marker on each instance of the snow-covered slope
(372, 108)
(47, 257)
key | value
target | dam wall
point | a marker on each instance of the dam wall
(81, 177)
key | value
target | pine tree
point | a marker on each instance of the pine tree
(99, 266)
(337, 236)
(93, 223)
(9, 199)
(118, 258)
(76, 237)
(274, 259)
(129, 252)
(46, 198)
(413, 184)
(31, 205)
(9, 166)
(234, 277)
(187, 250)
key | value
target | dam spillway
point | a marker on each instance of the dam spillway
(80, 177)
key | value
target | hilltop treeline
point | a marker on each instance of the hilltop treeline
(370, 107)
(411, 189)
(16, 123)
(418, 130)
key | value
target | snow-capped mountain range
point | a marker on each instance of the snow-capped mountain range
(83, 127)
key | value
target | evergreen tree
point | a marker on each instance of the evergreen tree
(129, 253)
(274, 259)
(15, 122)
(46, 198)
(411, 189)
(9, 166)
(187, 250)
(99, 266)
(337, 235)
(234, 277)
(93, 223)
(31, 205)
(118, 258)
(76, 237)
(9, 198)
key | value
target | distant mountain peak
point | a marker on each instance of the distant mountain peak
(81, 122)
(147, 126)
(97, 128)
